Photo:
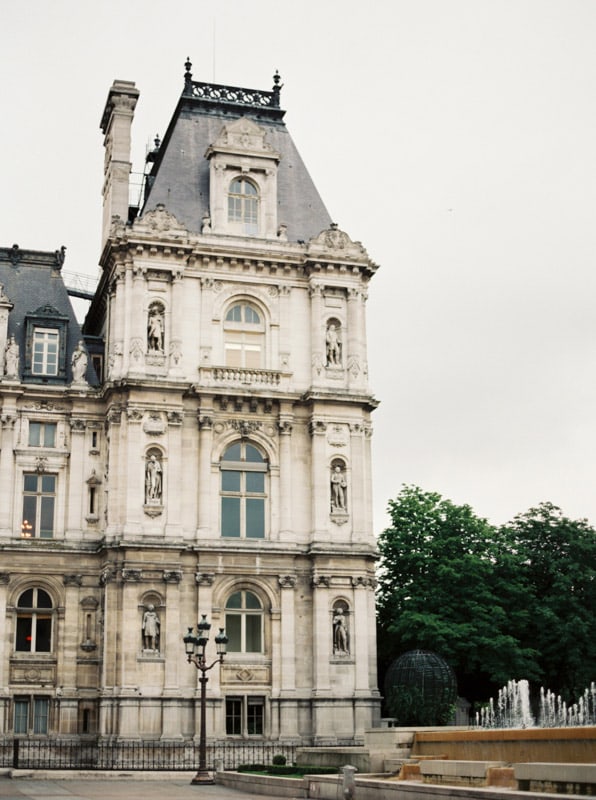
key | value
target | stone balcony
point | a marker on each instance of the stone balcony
(240, 378)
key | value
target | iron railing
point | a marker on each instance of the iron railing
(53, 753)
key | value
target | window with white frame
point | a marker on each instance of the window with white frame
(42, 434)
(44, 355)
(244, 337)
(31, 715)
(34, 622)
(243, 492)
(245, 716)
(244, 623)
(243, 206)
(39, 501)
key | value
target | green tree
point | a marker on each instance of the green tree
(557, 558)
(448, 583)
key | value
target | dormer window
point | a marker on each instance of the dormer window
(243, 206)
(44, 357)
(46, 331)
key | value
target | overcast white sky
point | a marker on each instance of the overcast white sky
(455, 138)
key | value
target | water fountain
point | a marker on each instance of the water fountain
(513, 709)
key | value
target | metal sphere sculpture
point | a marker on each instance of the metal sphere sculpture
(420, 689)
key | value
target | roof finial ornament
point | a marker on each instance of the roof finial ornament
(277, 87)
(188, 77)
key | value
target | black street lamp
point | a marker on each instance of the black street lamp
(195, 653)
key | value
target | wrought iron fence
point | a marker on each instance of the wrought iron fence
(53, 753)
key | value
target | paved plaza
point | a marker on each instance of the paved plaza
(178, 788)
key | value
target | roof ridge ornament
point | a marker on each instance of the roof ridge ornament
(188, 76)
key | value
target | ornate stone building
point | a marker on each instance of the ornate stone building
(201, 447)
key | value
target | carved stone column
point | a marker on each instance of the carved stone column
(319, 481)
(205, 419)
(67, 662)
(317, 336)
(285, 475)
(4, 581)
(321, 627)
(8, 418)
(116, 326)
(170, 646)
(135, 468)
(358, 479)
(138, 323)
(177, 316)
(175, 476)
(356, 334)
(360, 647)
(77, 488)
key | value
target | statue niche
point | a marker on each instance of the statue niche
(150, 629)
(153, 478)
(341, 634)
(155, 329)
(339, 487)
(333, 344)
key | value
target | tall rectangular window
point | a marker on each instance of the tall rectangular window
(39, 499)
(42, 434)
(31, 715)
(245, 716)
(44, 357)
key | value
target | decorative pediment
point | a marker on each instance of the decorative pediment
(243, 136)
(336, 243)
(47, 311)
(159, 220)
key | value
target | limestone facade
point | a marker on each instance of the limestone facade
(206, 451)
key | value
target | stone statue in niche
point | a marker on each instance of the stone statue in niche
(155, 330)
(153, 480)
(339, 486)
(12, 358)
(333, 344)
(341, 644)
(150, 628)
(79, 362)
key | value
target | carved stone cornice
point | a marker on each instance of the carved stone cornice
(172, 576)
(131, 575)
(204, 578)
(317, 427)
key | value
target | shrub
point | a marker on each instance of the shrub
(279, 760)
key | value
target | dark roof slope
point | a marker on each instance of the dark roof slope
(180, 175)
(32, 280)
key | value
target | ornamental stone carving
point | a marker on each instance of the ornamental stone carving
(154, 425)
(341, 634)
(131, 575)
(172, 576)
(204, 578)
(287, 581)
(11, 359)
(153, 478)
(72, 580)
(321, 581)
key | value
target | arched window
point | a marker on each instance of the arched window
(243, 495)
(34, 622)
(243, 206)
(244, 623)
(244, 334)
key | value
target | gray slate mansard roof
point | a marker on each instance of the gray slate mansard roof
(31, 280)
(180, 175)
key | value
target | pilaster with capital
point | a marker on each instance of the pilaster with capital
(285, 424)
(4, 583)
(287, 636)
(321, 634)
(175, 475)
(138, 323)
(360, 532)
(135, 466)
(318, 480)
(77, 488)
(317, 325)
(356, 339)
(362, 589)
(8, 418)
(205, 422)
(177, 316)
(69, 639)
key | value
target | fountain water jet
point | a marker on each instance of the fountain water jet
(513, 709)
